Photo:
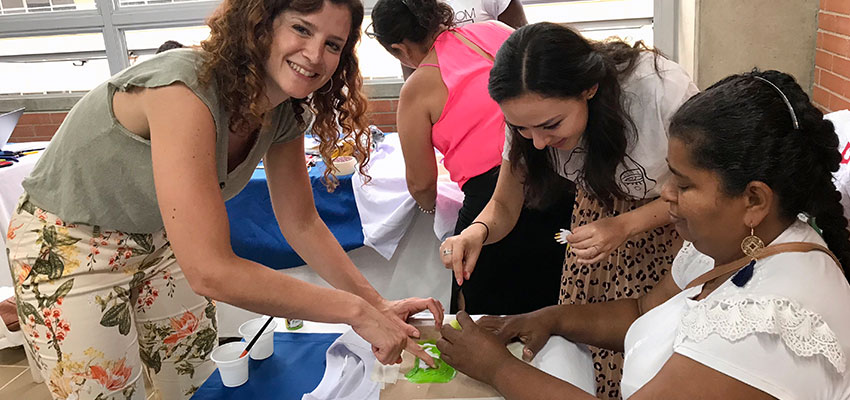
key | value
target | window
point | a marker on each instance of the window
(82, 48)
(52, 64)
(36, 6)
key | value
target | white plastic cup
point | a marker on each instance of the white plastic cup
(233, 369)
(264, 347)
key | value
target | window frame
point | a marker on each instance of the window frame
(112, 21)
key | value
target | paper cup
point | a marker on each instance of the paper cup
(264, 347)
(345, 165)
(233, 370)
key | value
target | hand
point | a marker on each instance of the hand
(403, 309)
(596, 240)
(388, 337)
(460, 252)
(532, 329)
(473, 350)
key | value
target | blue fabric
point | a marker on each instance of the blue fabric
(295, 368)
(254, 233)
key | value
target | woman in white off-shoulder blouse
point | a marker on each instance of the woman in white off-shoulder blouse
(749, 157)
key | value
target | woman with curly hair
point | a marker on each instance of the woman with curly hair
(105, 292)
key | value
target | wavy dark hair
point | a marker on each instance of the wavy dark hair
(414, 20)
(741, 129)
(241, 33)
(554, 61)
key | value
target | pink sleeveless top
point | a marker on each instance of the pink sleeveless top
(471, 131)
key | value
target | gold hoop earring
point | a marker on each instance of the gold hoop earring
(752, 245)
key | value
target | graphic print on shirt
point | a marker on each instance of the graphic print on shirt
(631, 175)
(634, 179)
(465, 16)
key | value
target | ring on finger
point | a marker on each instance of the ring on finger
(447, 252)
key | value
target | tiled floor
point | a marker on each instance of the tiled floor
(15, 378)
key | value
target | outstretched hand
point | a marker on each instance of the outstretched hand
(472, 350)
(532, 329)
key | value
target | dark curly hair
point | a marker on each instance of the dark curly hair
(741, 129)
(241, 33)
(413, 20)
(554, 61)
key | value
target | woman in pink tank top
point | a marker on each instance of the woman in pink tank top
(445, 105)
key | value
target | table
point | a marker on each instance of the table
(298, 363)
(295, 368)
(10, 190)
(254, 232)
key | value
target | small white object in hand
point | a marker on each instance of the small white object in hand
(561, 237)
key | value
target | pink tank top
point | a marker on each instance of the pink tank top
(471, 131)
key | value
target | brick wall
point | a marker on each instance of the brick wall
(831, 91)
(33, 127)
(38, 126)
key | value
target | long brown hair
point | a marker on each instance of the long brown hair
(554, 61)
(241, 33)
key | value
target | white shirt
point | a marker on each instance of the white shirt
(471, 11)
(841, 120)
(785, 332)
(650, 98)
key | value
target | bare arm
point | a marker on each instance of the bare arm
(481, 355)
(499, 215)
(184, 167)
(292, 201)
(414, 131)
(184, 164)
(514, 15)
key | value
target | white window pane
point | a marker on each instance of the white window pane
(151, 39)
(9, 7)
(593, 10)
(83, 42)
(52, 77)
(133, 3)
(48, 64)
(375, 61)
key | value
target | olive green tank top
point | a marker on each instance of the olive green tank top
(97, 172)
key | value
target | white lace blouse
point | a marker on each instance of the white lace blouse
(786, 332)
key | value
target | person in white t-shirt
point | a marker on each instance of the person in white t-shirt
(595, 113)
(733, 320)
(469, 11)
(472, 11)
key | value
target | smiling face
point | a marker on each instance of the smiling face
(305, 51)
(548, 121)
(703, 214)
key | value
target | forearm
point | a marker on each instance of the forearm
(500, 219)
(313, 241)
(254, 287)
(425, 196)
(600, 324)
(516, 380)
(649, 216)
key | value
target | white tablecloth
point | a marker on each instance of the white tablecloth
(386, 207)
(10, 190)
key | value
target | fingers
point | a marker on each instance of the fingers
(457, 266)
(580, 234)
(418, 351)
(465, 320)
(532, 346)
(411, 331)
(437, 311)
(446, 350)
(471, 259)
(383, 355)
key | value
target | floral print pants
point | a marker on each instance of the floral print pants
(97, 307)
